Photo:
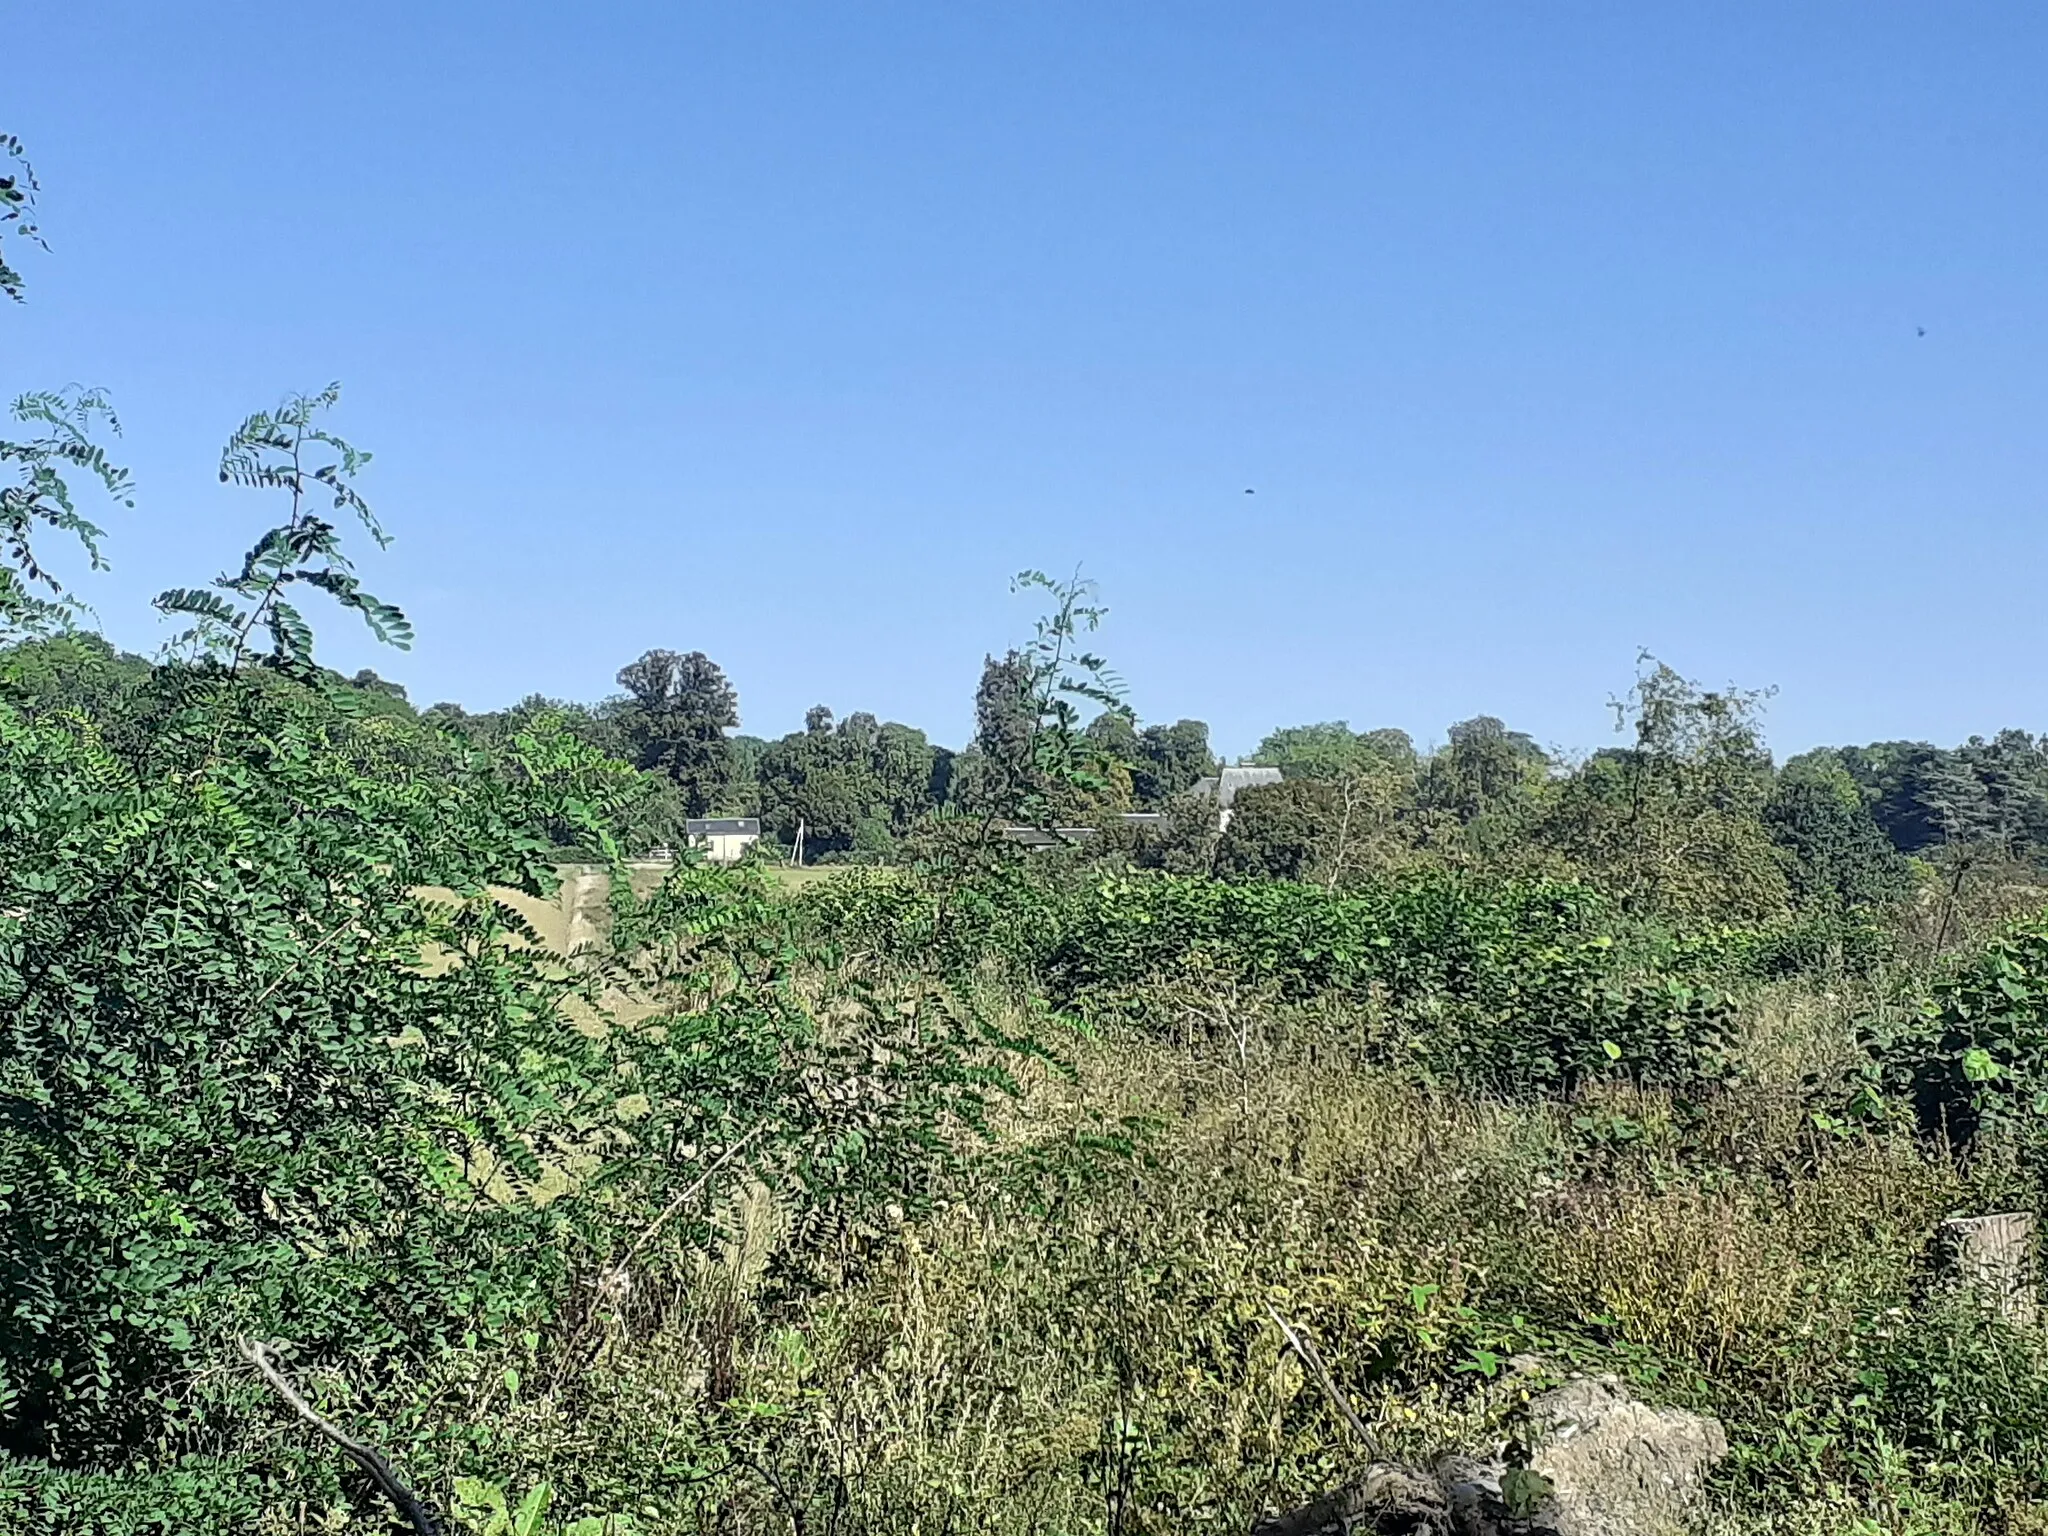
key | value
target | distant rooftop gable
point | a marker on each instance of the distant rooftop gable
(1048, 837)
(1231, 781)
(724, 826)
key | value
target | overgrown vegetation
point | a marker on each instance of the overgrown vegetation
(964, 1191)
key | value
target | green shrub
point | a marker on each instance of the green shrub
(1972, 1056)
(1964, 1394)
(1513, 985)
(1508, 985)
(234, 1097)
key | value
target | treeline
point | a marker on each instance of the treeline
(856, 786)
(1690, 820)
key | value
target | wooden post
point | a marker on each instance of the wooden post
(1993, 1258)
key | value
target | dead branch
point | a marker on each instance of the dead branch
(368, 1457)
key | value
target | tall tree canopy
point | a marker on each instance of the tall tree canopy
(1673, 822)
(1332, 750)
(857, 785)
(679, 708)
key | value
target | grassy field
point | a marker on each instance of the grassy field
(1080, 1338)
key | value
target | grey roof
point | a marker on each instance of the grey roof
(1234, 779)
(724, 826)
(1048, 837)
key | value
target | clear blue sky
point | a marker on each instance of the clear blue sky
(787, 332)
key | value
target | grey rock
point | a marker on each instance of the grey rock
(1619, 1467)
(1462, 1498)
(1599, 1464)
(1388, 1500)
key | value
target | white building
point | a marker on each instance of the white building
(724, 838)
(1223, 788)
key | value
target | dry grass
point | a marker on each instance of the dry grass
(1079, 1340)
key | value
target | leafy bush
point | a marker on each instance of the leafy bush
(255, 1083)
(1973, 1055)
(234, 1096)
(1508, 984)
(1967, 1390)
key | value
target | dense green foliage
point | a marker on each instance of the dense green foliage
(1972, 1057)
(854, 787)
(211, 943)
(256, 1083)
(682, 708)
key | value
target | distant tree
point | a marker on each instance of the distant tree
(1032, 760)
(1674, 822)
(384, 696)
(1978, 825)
(1279, 831)
(1170, 759)
(1836, 858)
(853, 787)
(1894, 780)
(907, 769)
(1477, 799)
(1115, 734)
(1979, 812)
(1117, 758)
(999, 772)
(1331, 750)
(681, 707)
(1484, 768)
(368, 681)
(1958, 803)
(807, 784)
(1185, 845)
(1160, 761)
(1333, 832)
(743, 792)
(601, 728)
(1309, 751)
(2011, 770)
(1391, 745)
(75, 671)
(945, 777)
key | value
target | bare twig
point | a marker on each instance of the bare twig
(1304, 1348)
(618, 1271)
(1348, 787)
(365, 1456)
(304, 956)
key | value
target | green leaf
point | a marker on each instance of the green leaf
(197, 603)
(1979, 1066)
(526, 1520)
(1524, 1491)
(290, 632)
(482, 1498)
